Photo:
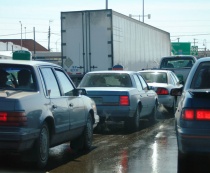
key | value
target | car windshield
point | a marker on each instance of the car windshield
(17, 77)
(106, 80)
(202, 77)
(177, 62)
(157, 77)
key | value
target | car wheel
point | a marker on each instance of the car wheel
(181, 162)
(85, 140)
(154, 115)
(133, 123)
(173, 109)
(42, 147)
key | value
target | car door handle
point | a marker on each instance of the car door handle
(71, 105)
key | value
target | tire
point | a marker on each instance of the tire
(42, 147)
(84, 142)
(132, 124)
(173, 109)
(181, 162)
(154, 115)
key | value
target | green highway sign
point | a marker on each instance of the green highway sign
(194, 50)
(181, 48)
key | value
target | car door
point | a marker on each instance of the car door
(75, 103)
(150, 95)
(142, 96)
(57, 104)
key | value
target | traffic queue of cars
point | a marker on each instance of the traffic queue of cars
(40, 107)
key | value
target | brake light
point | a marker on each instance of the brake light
(197, 114)
(13, 119)
(124, 100)
(188, 114)
(203, 114)
(162, 91)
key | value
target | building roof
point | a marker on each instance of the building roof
(27, 43)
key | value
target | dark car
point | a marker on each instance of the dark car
(121, 96)
(192, 118)
(163, 81)
(41, 108)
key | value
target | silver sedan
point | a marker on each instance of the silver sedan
(163, 81)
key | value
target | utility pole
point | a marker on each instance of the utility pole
(106, 4)
(194, 41)
(34, 45)
(25, 32)
(49, 36)
(143, 11)
(21, 34)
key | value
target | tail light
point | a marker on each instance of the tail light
(196, 114)
(13, 119)
(162, 91)
(124, 100)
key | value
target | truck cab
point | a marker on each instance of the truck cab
(179, 64)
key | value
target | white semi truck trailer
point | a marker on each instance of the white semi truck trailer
(100, 39)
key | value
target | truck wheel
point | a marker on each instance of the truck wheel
(42, 147)
(84, 142)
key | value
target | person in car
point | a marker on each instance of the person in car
(3, 79)
(24, 77)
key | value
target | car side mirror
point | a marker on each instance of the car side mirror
(151, 88)
(176, 91)
(79, 91)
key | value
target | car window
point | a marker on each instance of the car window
(175, 77)
(177, 62)
(138, 83)
(150, 77)
(173, 81)
(106, 80)
(201, 77)
(50, 82)
(144, 84)
(65, 84)
(17, 77)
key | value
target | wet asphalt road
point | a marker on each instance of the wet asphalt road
(152, 149)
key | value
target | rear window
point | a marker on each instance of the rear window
(17, 77)
(202, 77)
(106, 80)
(177, 62)
(154, 77)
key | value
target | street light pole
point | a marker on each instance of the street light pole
(25, 32)
(106, 4)
(143, 11)
(21, 33)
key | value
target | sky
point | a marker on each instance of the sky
(185, 20)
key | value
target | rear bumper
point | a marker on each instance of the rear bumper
(166, 100)
(115, 113)
(17, 141)
(191, 141)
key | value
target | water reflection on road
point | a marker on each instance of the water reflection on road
(152, 149)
